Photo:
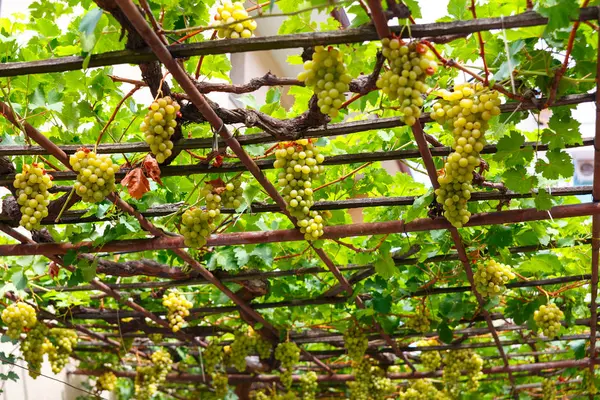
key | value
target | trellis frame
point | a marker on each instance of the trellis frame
(166, 56)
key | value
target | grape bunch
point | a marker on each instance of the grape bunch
(466, 111)
(548, 318)
(308, 386)
(228, 13)
(212, 356)
(589, 380)
(220, 382)
(233, 194)
(159, 125)
(420, 321)
(146, 382)
(179, 308)
(370, 382)
(263, 348)
(288, 354)
(356, 343)
(196, 226)
(548, 390)
(59, 353)
(95, 175)
(299, 163)
(162, 362)
(423, 389)
(431, 360)
(241, 347)
(326, 74)
(106, 381)
(33, 348)
(18, 317)
(491, 278)
(213, 200)
(410, 63)
(32, 194)
(155, 337)
(459, 362)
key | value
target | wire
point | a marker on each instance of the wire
(6, 361)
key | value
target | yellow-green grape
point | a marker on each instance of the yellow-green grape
(32, 194)
(589, 381)
(299, 163)
(220, 382)
(34, 346)
(162, 363)
(213, 200)
(58, 355)
(179, 309)
(155, 337)
(548, 318)
(410, 64)
(263, 348)
(18, 317)
(459, 363)
(95, 175)
(196, 226)
(241, 347)
(229, 13)
(106, 381)
(159, 125)
(212, 356)
(431, 360)
(145, 383)
(370, 382)
(419, 322)
(327, 75)
(423, 389)
(288, 354)
(233, 194)
(491, 278)
(356, 343)
(466, 111)
(308, 386)
(548, 390)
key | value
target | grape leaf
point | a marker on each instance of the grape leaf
(382, 304)
(542, 263)
(241, 256)
(510, 151)
(136, 183)
(19, 279)
(152, 169)
(445, 333)
(419, 204)
(516, 179)
(559, 164)
(559, 13)
(543, 200)
(458, 8)
(384, 265)
(564, 129)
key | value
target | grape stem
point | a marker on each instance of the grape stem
(343, 177)
(114, 114)
(199, 66)
(64, 207)
(359, 250)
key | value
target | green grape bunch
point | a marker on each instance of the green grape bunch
(18, 318)
(491, 278)
(212, 356)
(370, 382)
(233, 196)
(196, 226)
(419, 322)
(308, 386)
(466, 111)
(548, 317)
(548, 389)
(241, 347)
(220, 382)
(34, 346)
(159, 125)
(423, 389)
(107, 381)
(288, 354)
(95, 175)
(410, 64)
(326, 74)
(230, 13)
(356, 343)
(178, 309)
(431, 360)
(459, 363)
(58, 355)
(32, 185)
(299, 163)
(149, 377)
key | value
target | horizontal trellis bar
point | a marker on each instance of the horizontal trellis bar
(294, 41)
(330, 130)
(330, 232)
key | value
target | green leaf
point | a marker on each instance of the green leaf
(559, 164)
(559, 13)
(579, 348)
(445, 333)
(384, 265)
(548, 264)
(69, 257)
(264, 254)
(76, 278)
(382, 304)
(87, 268)
(419, 204)
(414, 8)
(241, 256)
(543, 200)
(510, 151)
(19, 280)
(564, 129)
(86, 28)
(458, 9)
(518, 180)
(226, 259)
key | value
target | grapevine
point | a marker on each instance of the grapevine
(548, 390)
(220, 383)
(419, 322)
(233, 194)
(229, 13)
(32, 194)
(326, 74)
(241, 347)
(548, 318)
(196, 226)
(309, 386)
(59, 353)
(159, 125)
(18, 317)
(356, 343)
(95, 175)
(491, 278)
(34, 346)
(212, 356)
(431, 360)
(149, 377)
(423, 389)
(370, 382)
(466, 111)
(410, 63)
(179, 308)
(457, 362)
(106, 381)
(288, 354)
(299, 163)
